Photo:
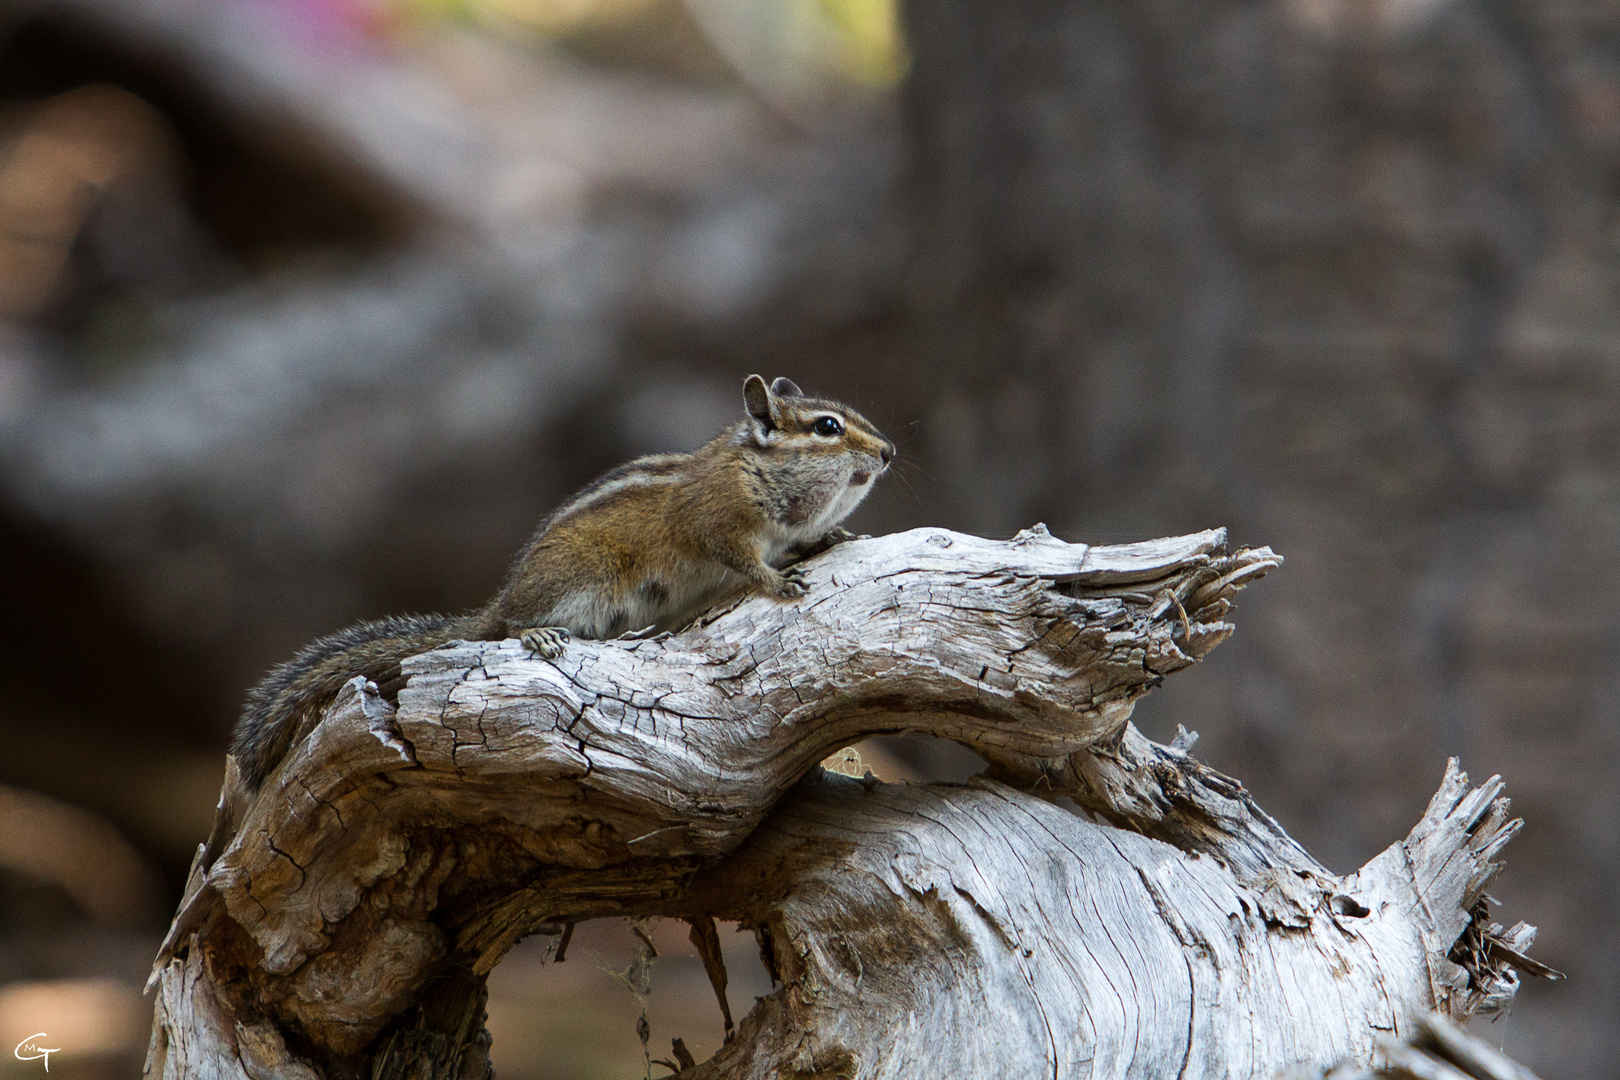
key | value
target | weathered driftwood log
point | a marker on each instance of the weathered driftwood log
(977, 930)
(342, 922)
(1437, 1050)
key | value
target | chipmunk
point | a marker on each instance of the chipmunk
(651, 543)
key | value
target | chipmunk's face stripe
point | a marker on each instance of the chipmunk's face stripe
(831, 455)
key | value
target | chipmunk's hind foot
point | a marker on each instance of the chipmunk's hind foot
(546, 641)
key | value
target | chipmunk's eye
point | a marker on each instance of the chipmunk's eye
(829, 425)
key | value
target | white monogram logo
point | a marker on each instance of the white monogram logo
(29, 1050)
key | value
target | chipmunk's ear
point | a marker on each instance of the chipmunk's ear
(786, 388)
(760, 404)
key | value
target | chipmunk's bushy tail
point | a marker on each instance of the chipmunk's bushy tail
(283, 708)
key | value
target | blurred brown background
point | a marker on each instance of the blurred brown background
(309, 309)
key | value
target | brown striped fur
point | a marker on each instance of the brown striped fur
(651, 543)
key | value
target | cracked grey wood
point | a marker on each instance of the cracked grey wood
(505, 794)
(1020, 938)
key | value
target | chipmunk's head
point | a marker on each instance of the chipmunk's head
(827, 453)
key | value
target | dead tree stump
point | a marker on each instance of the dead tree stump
(1096, 904)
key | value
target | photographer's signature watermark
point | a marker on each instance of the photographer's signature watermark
(30, 1050)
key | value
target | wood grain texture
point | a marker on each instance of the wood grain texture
(988, 931)
(342, 920)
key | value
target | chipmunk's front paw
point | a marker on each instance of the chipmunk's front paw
(791, 584)
(546, 641)
(837, 535)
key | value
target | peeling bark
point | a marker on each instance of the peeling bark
(341, 921)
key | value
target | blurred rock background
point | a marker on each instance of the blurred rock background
(309, 309)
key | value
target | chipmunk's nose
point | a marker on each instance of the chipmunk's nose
(887, 453)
